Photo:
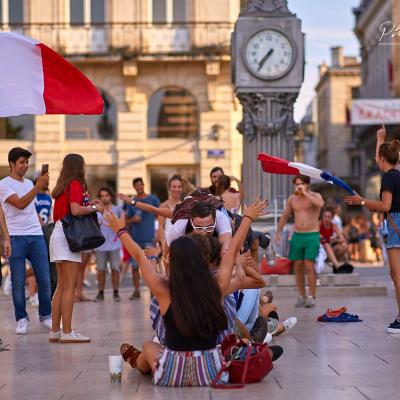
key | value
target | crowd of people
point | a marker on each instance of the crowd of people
(197, 254)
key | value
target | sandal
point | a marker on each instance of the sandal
(129, 354)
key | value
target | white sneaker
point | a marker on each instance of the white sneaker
(22, 326)
(268, 338)
(310, 302)
(290, 323)
(73, 337)
(7, 285)
(46, 324)
(34, 300)
(54, 336)
(156, 339)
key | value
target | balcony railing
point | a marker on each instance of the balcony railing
(131, 38)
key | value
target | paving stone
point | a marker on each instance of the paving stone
(320, 361)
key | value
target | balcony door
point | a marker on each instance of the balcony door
(169, 30)
(87, 31)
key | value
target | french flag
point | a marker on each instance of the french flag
(34, 79)
(276, 165)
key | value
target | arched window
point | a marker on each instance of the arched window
(173, 113)
(102, 126)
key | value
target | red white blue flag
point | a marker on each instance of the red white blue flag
(276, 165)
(34, 79)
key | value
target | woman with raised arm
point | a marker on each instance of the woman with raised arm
(190, 300)
(389, 204)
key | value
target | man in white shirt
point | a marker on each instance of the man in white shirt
(17, 196)
(206, 220)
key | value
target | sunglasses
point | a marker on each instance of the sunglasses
(208, 228)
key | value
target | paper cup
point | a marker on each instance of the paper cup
(115, 364)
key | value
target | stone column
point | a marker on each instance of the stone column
(267, 126)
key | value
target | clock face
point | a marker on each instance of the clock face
(269, 54)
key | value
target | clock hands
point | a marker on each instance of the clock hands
(264, 59)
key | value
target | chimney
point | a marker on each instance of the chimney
(337, 56)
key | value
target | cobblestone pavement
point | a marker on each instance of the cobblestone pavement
(320, 361)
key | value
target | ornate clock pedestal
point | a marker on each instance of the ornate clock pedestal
(267, 126)
(267, 71)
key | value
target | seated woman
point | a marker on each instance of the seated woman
(332, 238)
(190, 301)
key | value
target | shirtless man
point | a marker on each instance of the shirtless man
(304, 245)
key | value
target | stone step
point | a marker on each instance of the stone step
(323, 280)
(335, 291)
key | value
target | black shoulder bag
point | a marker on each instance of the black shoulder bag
(82, 232)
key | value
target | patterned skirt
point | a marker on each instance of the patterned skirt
(188, 368)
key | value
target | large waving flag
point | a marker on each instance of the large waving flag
(276, 165)
(34, 79)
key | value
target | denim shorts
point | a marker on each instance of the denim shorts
(143, 245)
(393, 239)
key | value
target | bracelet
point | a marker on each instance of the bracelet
(248, 216)
(152, 258)
(121, 232)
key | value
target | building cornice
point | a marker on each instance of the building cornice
(338, 72)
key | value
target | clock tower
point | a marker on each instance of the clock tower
(267, 72)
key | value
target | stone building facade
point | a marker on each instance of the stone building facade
(334, 93)
(380, 73)
(163, 68)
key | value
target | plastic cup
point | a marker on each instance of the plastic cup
(115, 364)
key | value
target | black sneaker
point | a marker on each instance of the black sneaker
(394, 327)
(117, 297)
(276, 352)
(100, 296)
(259, 330)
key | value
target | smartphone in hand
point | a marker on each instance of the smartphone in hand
(45, 169)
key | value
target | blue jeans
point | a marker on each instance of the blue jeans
(34, 249)
(248, 311)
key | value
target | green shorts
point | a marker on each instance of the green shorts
(304, 246)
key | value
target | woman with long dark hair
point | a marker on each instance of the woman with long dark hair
(190, 300)
(70, 194)
(387, 159)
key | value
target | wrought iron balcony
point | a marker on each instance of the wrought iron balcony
(131, 38)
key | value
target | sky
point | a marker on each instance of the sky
(326, 23)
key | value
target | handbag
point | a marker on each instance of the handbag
(255, 366)
(82, 232)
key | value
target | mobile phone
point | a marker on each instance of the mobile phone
(45, 169)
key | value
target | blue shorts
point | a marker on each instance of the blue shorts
(134, 264)
(393, 239)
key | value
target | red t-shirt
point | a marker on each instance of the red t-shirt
(72, 194)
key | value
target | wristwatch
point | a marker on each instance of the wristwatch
(133, 202)
(362, 202)
(94, 207)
